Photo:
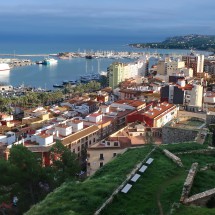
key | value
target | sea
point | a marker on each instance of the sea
(40, 76)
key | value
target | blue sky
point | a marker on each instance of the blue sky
(144, 19)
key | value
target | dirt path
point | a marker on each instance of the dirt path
(162, 187)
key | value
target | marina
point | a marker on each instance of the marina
(75, 68)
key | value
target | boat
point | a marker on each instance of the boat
(73, 82)
(89, 57)
(90, 77)
(65, 82)
(39, 62)
(49, 61)
(57, 86)
(85, 78)
(4, 67)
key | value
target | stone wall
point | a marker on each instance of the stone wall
(177, 135)
(210, 119)
(200, 199)
(188, 182)
(198, 151)
(173, 157)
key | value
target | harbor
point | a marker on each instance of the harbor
(74, 69)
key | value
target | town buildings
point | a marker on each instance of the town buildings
(118, 72)
(194, 61)
(155, 117)
(188, 95)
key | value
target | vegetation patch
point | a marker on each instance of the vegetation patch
(202, 159)
(85, 197)
(203, 181)
(155, 191)
(181, 147)
(193, 210)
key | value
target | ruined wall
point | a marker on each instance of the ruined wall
(189, 182)
(200, 199)
(210, 119)
(177, 135)
(173, 157)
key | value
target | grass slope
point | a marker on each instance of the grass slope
(156, 190)
(193, 210)
(154, 193)
(85, 197)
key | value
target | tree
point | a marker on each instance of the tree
(22, 176)
(64, 163)
(30, 170)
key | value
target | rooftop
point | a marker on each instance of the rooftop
(158, 110)
(78, 135)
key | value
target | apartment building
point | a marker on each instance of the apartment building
(194, 61)
(156, 116)
(188, 95)
(118, 72)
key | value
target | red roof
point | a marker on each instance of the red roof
(95, 114)
(158, 110)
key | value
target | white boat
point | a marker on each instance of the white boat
(49, 61)
(4, 67)
(89, 77)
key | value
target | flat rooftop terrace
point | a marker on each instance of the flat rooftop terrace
(191, 123)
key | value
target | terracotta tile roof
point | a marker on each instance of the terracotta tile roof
(62, 126)
(39, 148)
(78, 135)
(159, 110)
(76, 121)
(211, 109)
(44, 135)
(133, 103)
(94, 114)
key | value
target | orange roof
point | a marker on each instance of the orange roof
(133, 103)
(62, 126)
(95, 114)
(44, 135)
(159, 110)
(76, 121)
(81, 134)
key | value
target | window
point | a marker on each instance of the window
(78, 148)
(94, 140)
(73, 150)
(114, 154)
(88, 164)
(101, 164)
(116, 144)
(101, 157)
(90, 142)
(108, 143)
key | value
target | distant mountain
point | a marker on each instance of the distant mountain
(192, 41)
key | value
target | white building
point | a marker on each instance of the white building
(173, 66)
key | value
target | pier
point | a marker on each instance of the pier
(18, 62)
(28, 55)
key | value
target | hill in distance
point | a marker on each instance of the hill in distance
(192, 41)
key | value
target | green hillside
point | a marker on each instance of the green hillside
(158, 189)
(193, 41)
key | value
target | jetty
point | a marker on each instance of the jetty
(28, 55)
